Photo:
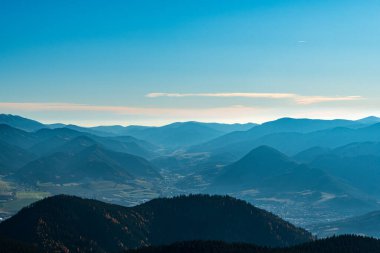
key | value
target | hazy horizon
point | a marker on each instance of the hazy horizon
(172, 122)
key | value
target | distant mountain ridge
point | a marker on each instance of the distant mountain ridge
(369, 120)
(291, 143)
(176, 134)
(137, 130)
(180, 134)
(45, 140)
(20, 122)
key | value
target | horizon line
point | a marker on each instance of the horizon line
(44, 122)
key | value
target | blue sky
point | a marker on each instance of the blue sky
(154, 62)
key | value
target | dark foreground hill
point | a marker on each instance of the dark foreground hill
(12, 246)
(63, 223)
(341, 244)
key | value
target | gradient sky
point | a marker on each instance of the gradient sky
(153, 62)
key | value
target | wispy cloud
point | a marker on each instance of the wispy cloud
(224, 95)
(299, 99)
(126, 110)
(91, 115)
(306, 100)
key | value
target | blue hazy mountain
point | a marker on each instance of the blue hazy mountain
(358, 148)
(117, 130)
(181, 134)
(83, 159)
(88, 130)
(310, 154)
(20, 122)
(283, 125)
(369, 120)
(350, 150)
(172, 135)
(258, 165)
(13, 157)
(71, 223)
(292, 143)
(49, 139)
(136, 130)
(45, 140)
(272, 173)
(16, 137)
(367, 224)
(362, 172)
(357, 163)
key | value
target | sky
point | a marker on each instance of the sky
(92, 62)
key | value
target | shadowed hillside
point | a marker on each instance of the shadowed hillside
(342, 244)
(64, 222)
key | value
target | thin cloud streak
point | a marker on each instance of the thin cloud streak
(126, 110)
(91, 115)
(307, 100)
(298, 99)
(224, 95)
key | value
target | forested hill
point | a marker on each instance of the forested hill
(65, 223)
(341, 244)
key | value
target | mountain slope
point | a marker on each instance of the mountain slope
(367, 224)
(16, 137)
(12, 246)
(369, 120)
(50, 140)
(292, 143)
(222, 218)
(259, 164)
(283, 125)
(44, 141)
(85, 160)
(310, 154)
(176, 134)
(358, 149)
(341, 244)
(20, 122)
(135, 130)
(362, 171)
(63, 222)
(13, 157)
(274, 175)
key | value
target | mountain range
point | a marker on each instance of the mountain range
(292, 136)
(177, 134)
(306, 171)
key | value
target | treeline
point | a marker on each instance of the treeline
(340, 244)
